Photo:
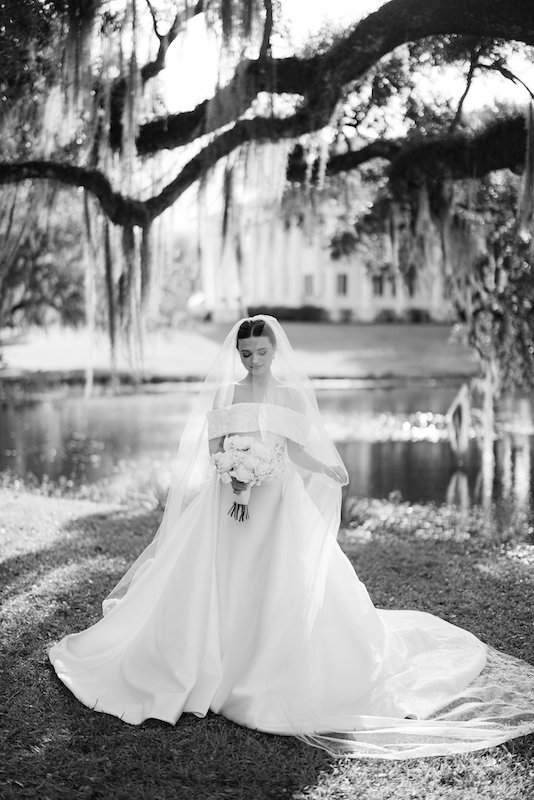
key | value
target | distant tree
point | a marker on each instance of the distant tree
(42, 258)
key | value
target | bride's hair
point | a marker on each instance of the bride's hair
(255, 327)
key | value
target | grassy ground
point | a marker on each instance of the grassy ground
(59, 557)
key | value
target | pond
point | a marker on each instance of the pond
(391, 439)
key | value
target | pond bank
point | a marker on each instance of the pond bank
(44, 360)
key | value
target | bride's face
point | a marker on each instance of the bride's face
(256, 354)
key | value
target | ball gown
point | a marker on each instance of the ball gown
(266, 622)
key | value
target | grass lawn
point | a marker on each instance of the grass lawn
(322, 350)
(60, 556)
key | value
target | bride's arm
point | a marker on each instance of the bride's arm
(222, 397)
(300, 456)
(215, 445)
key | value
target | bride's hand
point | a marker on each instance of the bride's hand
(238, 486)
(337, 474)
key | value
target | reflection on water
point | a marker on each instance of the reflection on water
(420, 471)
(390, 439)
(123, 439)
(513, 455)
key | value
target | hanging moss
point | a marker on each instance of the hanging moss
(146, 264)
(228, 200)
(76, 74)
(131, 100)
(111, 294)
(90, 291)
(227, 19)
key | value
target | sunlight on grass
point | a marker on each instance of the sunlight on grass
(43, 595)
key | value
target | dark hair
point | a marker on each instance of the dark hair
(255, 327)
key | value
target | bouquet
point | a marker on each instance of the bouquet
(250, 462)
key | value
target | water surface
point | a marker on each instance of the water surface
(390, 439)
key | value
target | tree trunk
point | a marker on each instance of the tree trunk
(488, 434)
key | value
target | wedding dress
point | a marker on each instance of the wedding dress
(265, 620)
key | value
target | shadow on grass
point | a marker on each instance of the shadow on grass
(106, 542)
(53, 747)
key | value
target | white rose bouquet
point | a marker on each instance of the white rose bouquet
(249, 462)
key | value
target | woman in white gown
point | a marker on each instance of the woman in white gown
(263, 619)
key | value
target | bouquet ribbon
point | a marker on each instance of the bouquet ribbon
(239, 510)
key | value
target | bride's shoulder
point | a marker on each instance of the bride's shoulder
(224, 395)
(290, 398)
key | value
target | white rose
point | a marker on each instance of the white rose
(263, 469)
(225, 461)
(251, 462)
(243, 475)
(261, 450)
(225, 478)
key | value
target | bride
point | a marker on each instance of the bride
(260, 617)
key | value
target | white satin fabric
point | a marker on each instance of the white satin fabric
(221, 619)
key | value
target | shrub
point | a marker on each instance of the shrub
(417, 315)
(291, 314)
(387, 315)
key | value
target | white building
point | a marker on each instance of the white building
(267, 263)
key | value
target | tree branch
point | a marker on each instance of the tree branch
(322, 79)
(148, 70)
(473, 64)
(246, 130)
(152, 68)
(154, 19)
(293, 76)
(298, 169)
(120, 209)
(501, 145)
(265, 48)
(498, 66)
